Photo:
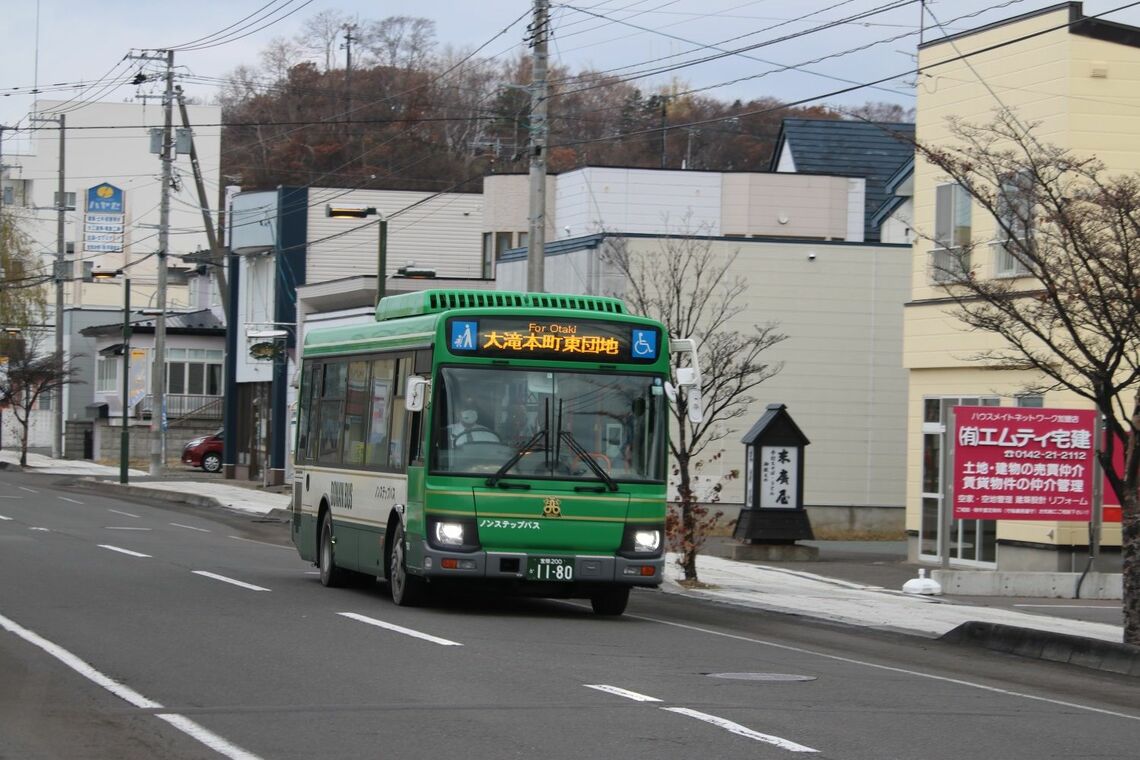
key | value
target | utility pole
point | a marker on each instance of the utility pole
(539, 130)
(217, 257)
(158, 378)
(59, 275)
(348, 40)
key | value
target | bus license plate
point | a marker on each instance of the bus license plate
(549, 569)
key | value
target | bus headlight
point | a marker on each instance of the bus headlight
(642, 541)
(645, 541)
(455, 534)
(449, 533)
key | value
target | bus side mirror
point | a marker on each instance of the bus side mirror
(416, 395)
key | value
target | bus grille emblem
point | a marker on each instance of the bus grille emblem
(551, 507)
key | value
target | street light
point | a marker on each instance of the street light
(91, 275)
(353, 211)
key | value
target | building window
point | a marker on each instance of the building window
(68, 200)
(1014, 223)
(107, 374)
(488, 256)
(1031, 401)
(194, 371)
(950, 260)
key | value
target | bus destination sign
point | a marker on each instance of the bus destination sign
(564, 339)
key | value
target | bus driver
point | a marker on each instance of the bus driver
(468, 430)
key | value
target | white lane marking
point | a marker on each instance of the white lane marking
(740, 730)
(29, 490)
(9, 496)
(121, 527)
(621, 692)
(129, 695)
(890, 668)
(3, 517)
(263, 543)
(401, 629)
(73, 501)
(125, 514)
(189, 527)
(1073, 606)
(224, 579)
(122, 551)
(44, 530)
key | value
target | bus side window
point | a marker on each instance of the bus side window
(332, 409)
(379, 431)
(398, 442)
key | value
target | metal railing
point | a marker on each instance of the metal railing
(183, 406)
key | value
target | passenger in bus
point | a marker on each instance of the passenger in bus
(468, 430)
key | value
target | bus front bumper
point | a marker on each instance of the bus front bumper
(524, 566)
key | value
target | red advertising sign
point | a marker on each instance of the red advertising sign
(1023, 464)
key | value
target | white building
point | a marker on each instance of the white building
(799, 242)
(111, 199)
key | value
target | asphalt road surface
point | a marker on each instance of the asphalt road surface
(130, 630)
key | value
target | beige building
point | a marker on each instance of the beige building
(1076, 78)
(799, 245)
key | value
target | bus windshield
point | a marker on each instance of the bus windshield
(563, 424)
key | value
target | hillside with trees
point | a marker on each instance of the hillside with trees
(409, 115)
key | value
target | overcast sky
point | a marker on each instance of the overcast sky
(75, 42)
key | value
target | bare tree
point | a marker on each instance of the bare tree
(691, 288)
(319, 34)
(1070, 314)
(280, 55)
(400, 42)
(30, 373)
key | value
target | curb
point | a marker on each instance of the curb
(1123, 659)
(104, 486)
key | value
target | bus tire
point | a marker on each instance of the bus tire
(610, 601)
(407, 590)
(331, 575)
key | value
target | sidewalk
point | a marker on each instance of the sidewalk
(861, 585)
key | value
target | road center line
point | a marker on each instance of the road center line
(122, 551)
(400, 629)
(621, 692)
(29, 490)
(740, 730)
(189, 527)
(129, 695)
(122, 527)
(224, 579)
(125, 514)
(891, 668)
(73, 501)
(2, 517)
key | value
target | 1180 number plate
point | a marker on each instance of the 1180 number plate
(549, 569)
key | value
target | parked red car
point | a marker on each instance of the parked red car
(204, 452)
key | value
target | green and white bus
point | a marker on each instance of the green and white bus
(507, 438)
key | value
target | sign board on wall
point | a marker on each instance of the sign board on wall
(1023, 464)
(103, 219)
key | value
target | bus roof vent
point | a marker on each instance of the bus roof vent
(435, 301)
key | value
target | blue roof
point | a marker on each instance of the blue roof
(872, 150)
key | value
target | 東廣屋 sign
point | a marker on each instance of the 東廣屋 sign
(1023, 464)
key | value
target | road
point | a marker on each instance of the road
(130, 630)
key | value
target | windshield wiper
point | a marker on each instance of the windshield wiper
(523, 450)
(584, 455)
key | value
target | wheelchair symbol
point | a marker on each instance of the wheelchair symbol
(644, 344)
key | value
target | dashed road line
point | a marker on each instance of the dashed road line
(3, 517)
(73, 501)
(124, 514)
(123, 527)
(740, 730)
(29, 490)
(400, 629)
(123, 551)
(621, 692)
(224, 579)
(189, 527)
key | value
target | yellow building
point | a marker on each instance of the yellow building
(1076, 79)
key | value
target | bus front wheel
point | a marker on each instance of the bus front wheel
(611, 601)
(407, 590)
(331, 575)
